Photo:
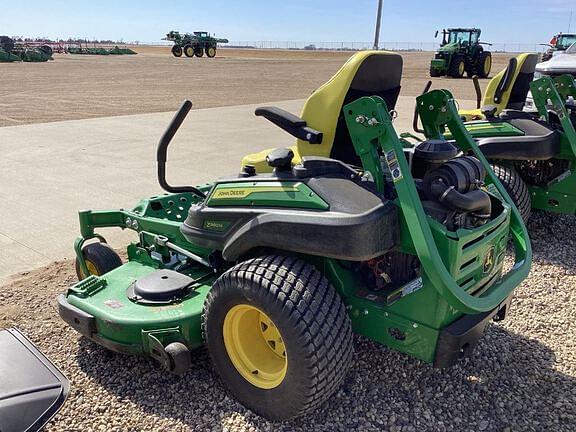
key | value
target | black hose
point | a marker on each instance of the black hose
(476, 201)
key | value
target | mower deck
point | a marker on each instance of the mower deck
(99, 308)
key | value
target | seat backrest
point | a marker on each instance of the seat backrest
(509, 88)
(366, 73)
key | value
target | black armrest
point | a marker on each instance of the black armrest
(292, 124)
(489, 111)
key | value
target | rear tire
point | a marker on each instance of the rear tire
(189, 51)
(484, 65)
(457, 67)
(198, 52)
(177, 51)
(313, 332)
(516, 188)
(211, 52)
(100, 259)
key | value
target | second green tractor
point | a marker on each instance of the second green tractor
(461, 52)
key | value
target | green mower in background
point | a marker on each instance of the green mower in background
(534, 155)
(461, 52)
(11, 51)
(275, 271)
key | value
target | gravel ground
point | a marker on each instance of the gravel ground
(521, 378)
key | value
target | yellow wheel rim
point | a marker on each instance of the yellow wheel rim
(92, 270)
(189, 52)
(211, 52)
(487, 65)
(461, 68)
(255, 346)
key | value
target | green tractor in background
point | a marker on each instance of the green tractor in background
(461, 51)
(195, 44)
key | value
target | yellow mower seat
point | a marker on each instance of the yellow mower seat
(508, 89)
(366, 73)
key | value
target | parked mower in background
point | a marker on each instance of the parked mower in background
(558, 43)
(534, 154)
(461, 52)
(273, 271)
(11, 51)
(507, 90)
(195, 44)
(100, 50)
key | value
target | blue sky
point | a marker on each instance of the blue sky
(526, 21)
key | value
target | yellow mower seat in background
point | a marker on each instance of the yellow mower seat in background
(508, 89)
(366, 73)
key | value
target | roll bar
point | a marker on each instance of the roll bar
(161, 153)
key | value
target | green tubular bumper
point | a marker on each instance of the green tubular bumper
(369, 122)
(461, 287)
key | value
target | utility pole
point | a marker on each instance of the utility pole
(378, 19)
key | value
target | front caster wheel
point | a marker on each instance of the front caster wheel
(100, 259)
(179, 358)
(278, 335)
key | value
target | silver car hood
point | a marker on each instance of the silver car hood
(561, 63)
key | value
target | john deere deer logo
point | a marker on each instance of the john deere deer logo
(489, 260)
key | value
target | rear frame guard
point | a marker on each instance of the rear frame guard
(370, 126)
(552, 94)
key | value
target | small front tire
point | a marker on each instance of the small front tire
(179, 357)
(211, 52)
(100, 259)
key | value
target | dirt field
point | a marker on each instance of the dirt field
(76, 87)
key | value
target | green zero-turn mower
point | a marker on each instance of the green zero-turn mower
(274, 271)
(534, 155)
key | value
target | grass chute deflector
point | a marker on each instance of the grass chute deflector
(436, 109)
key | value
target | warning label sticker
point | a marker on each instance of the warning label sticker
(393, 166)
